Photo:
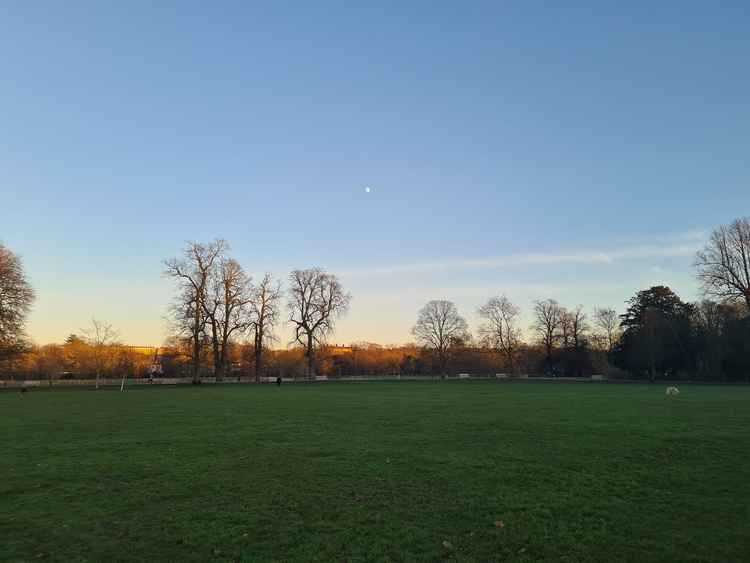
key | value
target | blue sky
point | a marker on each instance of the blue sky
(578, 151)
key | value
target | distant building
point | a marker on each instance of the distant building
(337, 350)
(145, 350)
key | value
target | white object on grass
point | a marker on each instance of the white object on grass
(672, 390)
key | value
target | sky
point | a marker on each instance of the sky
(566, 150)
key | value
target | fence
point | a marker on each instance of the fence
(157, 381)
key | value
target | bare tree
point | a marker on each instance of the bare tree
(101, 337)
(16, 298)
(193, 275)
(723, 266)
(265, 311)
(566, 327)
(226, 307)
(440, 327)
(316, 299)
(548, 322)
(500, 330)
(579, 326)
(608, 322)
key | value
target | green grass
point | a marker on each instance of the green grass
(377, 472)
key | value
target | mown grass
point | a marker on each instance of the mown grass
(377, 472)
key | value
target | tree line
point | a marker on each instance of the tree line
(225, 324)
(216, 302)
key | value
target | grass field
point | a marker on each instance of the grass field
(377, 472)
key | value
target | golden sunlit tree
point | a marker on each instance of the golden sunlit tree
(16, 298)
(102, 338)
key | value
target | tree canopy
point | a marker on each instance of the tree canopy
(16, 298)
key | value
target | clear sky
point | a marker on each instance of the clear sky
(578, 151)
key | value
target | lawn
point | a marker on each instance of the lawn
(468, 471)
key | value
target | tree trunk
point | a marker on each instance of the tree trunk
(258, 361)
(258, 354)
(223, 359)
(217, 355)
(196, 346)
(196, 357)
(310, 357)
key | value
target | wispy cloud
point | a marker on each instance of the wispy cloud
(668, 248)
(680, 237)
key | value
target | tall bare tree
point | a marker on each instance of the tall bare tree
(566, 327)
(192, 273)
(440, 327)
(265, 308)
(608, 323)
(316, 299)
(101, 337)
(723, 266)
(579, 326)
(548, 322)
(226, 307)
(16, 298)
(501, 329)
